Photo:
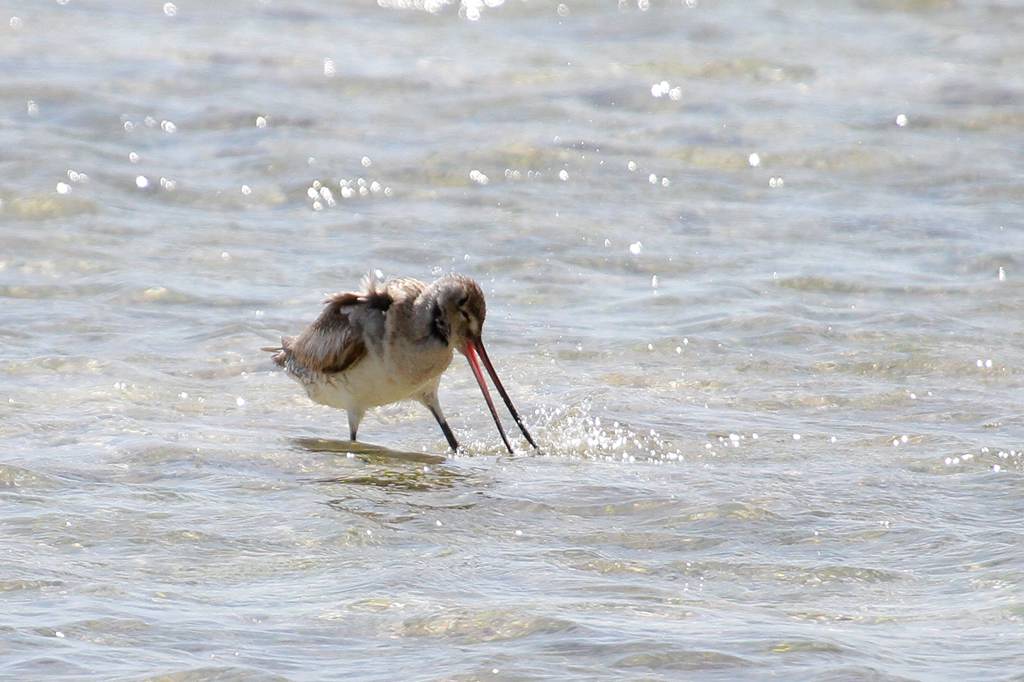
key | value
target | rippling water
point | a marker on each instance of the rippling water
(754, 273)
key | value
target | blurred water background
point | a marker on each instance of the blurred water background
(754, 273)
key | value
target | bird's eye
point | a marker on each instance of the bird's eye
(463, 301)
(465, 315)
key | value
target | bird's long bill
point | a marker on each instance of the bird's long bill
(504, 394)
(471, 356)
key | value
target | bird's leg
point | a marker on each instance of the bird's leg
(354, 417)
(432, 404)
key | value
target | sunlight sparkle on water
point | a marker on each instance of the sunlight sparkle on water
(901, 120)
(754, 160)
(141, 181)
(170, 9)
(636, 248)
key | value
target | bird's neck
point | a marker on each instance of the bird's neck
(429, 319)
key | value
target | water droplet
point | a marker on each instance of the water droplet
(631, 166)
(240, 401)
(16, 23)
(654, 281)
(246, 190)
(261, 122)
(31, 108)
(653, 179)
(225, 256)
(63, 188)
(133, 157)
(797, 436)
(754, 160)
(901, 120)
(141, 181)
(366, 161)
(665, 182)
(1002, 274)
(563, 10)
(636, 248)
(168, 126)
(170, 9)
(329, 68)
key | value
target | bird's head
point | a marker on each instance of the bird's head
(460, 311)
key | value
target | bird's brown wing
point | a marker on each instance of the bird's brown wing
(337, 338)
(334, 342)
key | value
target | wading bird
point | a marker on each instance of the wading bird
(392, 341)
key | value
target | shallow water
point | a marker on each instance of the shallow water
(780, 404)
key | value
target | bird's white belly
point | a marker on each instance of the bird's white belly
(367, 384)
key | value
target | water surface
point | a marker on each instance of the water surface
(753, 274)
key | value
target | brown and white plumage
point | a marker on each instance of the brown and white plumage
(392, 341)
